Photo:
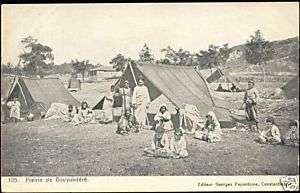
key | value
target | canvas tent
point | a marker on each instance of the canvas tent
(74, 84)
(291, 88)
(99, 105)
(37, 95)
(179, 85)
(7, 82)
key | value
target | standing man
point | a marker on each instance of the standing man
(126, 93)
(15, 111)
(141, 101)
(117, 105)
(250, 99)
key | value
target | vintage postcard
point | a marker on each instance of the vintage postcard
(150, 97)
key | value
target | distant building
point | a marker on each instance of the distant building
(79, 76)
(103, 73)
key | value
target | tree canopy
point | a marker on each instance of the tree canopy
(119, 62)
(36, 58)
(145, 54)
(258, 50)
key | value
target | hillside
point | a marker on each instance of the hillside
(286, 58)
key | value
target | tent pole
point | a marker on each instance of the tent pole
(131, 69)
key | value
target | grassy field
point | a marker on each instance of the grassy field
(53, 147)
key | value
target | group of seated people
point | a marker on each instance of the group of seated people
(233, 88)
(271, 134)
(78, 116)
(171, 142)
(127, 123)
(167, 141)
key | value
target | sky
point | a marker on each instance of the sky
(99, 32)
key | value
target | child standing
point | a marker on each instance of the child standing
(292, 138)
(272, 134)
(180, 150)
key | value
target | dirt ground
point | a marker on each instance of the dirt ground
(49, 148)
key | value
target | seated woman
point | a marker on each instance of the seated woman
(292, 137)
(69, 114)
(271, 134)
(211, 132)
(87, 113)
(77, 118)
(127, 123)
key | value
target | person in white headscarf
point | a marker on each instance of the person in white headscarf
(163, 120)
(141, 101)
(292, 137)
(212, 129)
(162, 144)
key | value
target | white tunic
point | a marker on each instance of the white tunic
(141, 97)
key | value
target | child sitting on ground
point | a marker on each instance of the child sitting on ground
(272, 134)
(77, 119)
(292, 137)
(180, 150)
(127, 123)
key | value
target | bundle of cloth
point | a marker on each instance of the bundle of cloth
(192, 118)
(72, 114)
(56, 111)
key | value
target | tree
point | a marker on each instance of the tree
(170, 56)
(36, 57)
(212, 57)
(119, 62)
(81, 66)
(9, 68)
(224, 53)
(180, 57)
(145, 54)
(258, 51)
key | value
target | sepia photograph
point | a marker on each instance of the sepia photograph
(150, 90)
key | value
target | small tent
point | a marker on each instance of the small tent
(7, 82)
(291, 88)
(179, 85)
(99, 105)
(74, 84)
(37, 95)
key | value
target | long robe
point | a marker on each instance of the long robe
(141, 98)
(108, 105)
(165, 122)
